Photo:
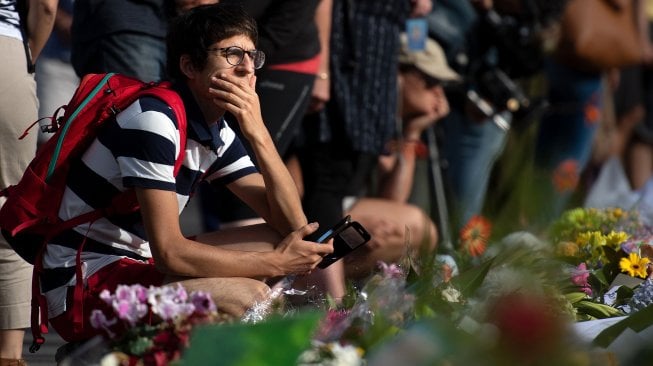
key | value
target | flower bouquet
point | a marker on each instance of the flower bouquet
(608, 254)
(151, 326)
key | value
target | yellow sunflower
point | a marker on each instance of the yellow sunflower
(634, 265)
(614, 239)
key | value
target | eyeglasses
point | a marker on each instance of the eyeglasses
(235, 55)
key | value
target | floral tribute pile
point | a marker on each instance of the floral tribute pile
(609, 252)
(515, 300)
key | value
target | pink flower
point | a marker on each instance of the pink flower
(170, 302)
(333, 325)
(528, 328)
(579, 278)
(390, 270)
(100, 321)
(203, 303)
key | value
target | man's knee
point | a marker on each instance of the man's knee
(423, 230)
(241, 296)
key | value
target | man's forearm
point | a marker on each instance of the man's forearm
(285, 207)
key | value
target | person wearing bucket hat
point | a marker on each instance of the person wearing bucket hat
(430, 60)
(389, 215)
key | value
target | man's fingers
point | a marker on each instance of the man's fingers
(323, 248)
(307, 229)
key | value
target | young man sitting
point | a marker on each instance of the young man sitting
(211, 57)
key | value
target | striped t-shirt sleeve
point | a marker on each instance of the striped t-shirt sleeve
(145, 141)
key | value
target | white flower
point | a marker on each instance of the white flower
(331, 354)
(451, 294)
(110, 359)
(345, 355)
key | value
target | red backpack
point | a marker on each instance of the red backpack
(29, 217)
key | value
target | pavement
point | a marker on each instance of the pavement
(45, 355)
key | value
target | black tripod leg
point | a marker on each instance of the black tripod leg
(437, 187)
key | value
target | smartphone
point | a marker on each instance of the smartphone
(334, 230)
(347, 235)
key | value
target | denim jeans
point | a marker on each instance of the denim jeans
(567, 128)
(132, 54)
(470, 149)
(566, 132)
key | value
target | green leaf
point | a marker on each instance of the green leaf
(574, 297)
(139, 345)
(624, 293)
(413, 276)
(423, 310)
(469, 281)
(598, 279)
(276, 341)
(596, 310)
(611, 254)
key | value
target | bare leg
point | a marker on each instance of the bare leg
(233, 295)
(11, 343)
(639, 162)
(330, 280)
(396, 229)
(15, 295)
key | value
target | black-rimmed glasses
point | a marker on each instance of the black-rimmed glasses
(235, 55)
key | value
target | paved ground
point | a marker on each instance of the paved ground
(45, 356)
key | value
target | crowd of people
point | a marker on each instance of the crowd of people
(299, 113)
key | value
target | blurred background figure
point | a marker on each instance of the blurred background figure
(633, 100)
(340, 144)
(56, 80)
(494, 45)
(23, 33)
(580, 104)
(126, 37)
(398, 227)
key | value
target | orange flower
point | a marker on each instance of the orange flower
(566, 176)
(592, 114)
(474, 236)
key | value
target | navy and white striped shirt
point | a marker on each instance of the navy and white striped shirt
(136, 149)
(9, 19)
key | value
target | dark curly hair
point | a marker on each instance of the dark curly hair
(193, 32)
